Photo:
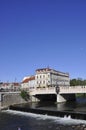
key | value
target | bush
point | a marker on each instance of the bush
(25, 95)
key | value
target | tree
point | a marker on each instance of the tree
(77, 82)
(25, 95)
(73, 82)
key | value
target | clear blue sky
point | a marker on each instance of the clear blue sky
(39, 33)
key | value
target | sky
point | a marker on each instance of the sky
(42, 33)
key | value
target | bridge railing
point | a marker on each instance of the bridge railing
(62, 90)
(73, 89)
(50, 90)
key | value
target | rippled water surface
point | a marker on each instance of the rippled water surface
(11, 120)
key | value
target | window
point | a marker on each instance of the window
(48, 75)
(43, 76)
(37, 82)
(43, 82)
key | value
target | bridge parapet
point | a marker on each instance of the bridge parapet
(73, 89)
(62, 90)
(50, 90)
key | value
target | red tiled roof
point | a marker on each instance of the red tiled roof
(16, 84)
(5, 84)
(29, 79)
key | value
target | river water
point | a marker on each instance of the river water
(13, 120)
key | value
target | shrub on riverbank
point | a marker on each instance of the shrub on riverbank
(25, 95)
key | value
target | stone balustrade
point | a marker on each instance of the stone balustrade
(62, 90)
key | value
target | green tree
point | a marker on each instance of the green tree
(25, 95)
(77, 82)
(73, 82)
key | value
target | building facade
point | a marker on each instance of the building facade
(47, 77)
(14, 86)
(28, 83)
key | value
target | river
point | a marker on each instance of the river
(11, 120)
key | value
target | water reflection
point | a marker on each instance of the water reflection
(79, 105)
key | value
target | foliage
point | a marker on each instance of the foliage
(77, 82)
(82, 95)
(25, 95)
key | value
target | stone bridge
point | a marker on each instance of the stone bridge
(50, 93)
(64, 94)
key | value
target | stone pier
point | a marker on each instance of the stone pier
(65, 97)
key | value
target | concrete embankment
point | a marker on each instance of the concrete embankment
(11, 99)
(15, 98)
(74, 115)
(3, 107)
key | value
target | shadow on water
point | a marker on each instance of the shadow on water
(76, 109)
(72, 105)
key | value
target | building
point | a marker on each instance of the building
(47, 77)
(28, 83)
(14, 86)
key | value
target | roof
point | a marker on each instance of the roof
(5, 84)
(51, 70)
(46, 69)
(16, 84)
(28, 79)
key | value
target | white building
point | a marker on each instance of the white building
(14, 86)
(28, 83)
(47, 77)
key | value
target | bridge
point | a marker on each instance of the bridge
(64, 94)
